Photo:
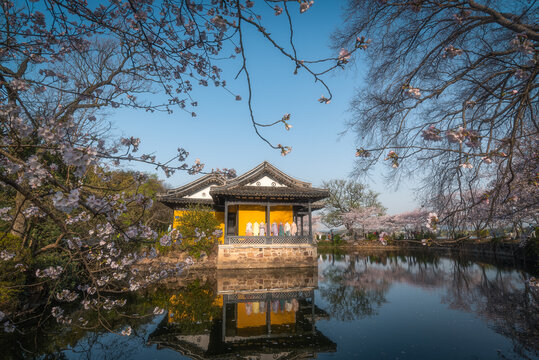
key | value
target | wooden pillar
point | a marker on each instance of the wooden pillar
(268, 225)
(312, 313)
(226, 223)
(223, 325)
(268, 314)
(301, 225)
(310, 223)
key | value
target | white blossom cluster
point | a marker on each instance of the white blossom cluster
(6, 255)
(7, 325)
(66, 203)
(67, 295)
(432, 221)
(4, 214)
(106, 303)
(58, 314)
(50, 272)
(81, 217)
(33, 211)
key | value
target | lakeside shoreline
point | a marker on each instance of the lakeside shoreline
(488, 250)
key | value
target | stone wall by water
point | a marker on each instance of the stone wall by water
(266, 256)
(252, 280)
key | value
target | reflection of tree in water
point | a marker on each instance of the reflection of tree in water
(47, 339)
(189, 306)
(350, 294)
(356, 287)
(503, 298)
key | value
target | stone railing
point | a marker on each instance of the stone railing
(254, 240)
(268, 296)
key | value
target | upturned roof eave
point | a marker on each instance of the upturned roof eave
(193, 187)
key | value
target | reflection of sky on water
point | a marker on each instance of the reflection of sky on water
(441, 309)
(368, 307)
(112, 346)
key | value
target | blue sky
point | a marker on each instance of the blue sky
(221, 135)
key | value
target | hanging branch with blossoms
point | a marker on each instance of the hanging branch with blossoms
(246, 16)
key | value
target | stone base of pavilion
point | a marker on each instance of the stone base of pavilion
(257, 256)
(238, 281)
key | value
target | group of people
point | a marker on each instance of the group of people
(262, 229)
(276, 306)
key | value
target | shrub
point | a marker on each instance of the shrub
(460, 235)
(192, 309)
(371, 236)
(420, 235)
(199, 230)
(483, 233)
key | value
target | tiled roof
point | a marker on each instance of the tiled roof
(285, 187)
(261, 191)
(171, 200)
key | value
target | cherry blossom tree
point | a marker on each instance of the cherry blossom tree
(63, 66)
(451, 96)
(412, 220)
(371, 219)
(348, 201)
(364, 219)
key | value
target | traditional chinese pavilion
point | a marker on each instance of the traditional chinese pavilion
(262, 198)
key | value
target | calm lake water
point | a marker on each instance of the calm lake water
(365, 306)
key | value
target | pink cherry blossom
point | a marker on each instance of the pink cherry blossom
(305, 5)
(344, 56)
(324, 100)
(451, 52)
(431, 134)
(413, 93)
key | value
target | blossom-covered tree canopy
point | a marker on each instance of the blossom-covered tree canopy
(451, 95)
(349, 197)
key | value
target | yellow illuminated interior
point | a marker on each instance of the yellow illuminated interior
(253, 320)
(257, 213)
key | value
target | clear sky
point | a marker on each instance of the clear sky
(221, 136)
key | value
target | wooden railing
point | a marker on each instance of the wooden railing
(254, 240)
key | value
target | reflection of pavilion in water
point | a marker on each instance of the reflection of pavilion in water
(265, 314)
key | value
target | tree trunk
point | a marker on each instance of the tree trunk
(19, 221)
